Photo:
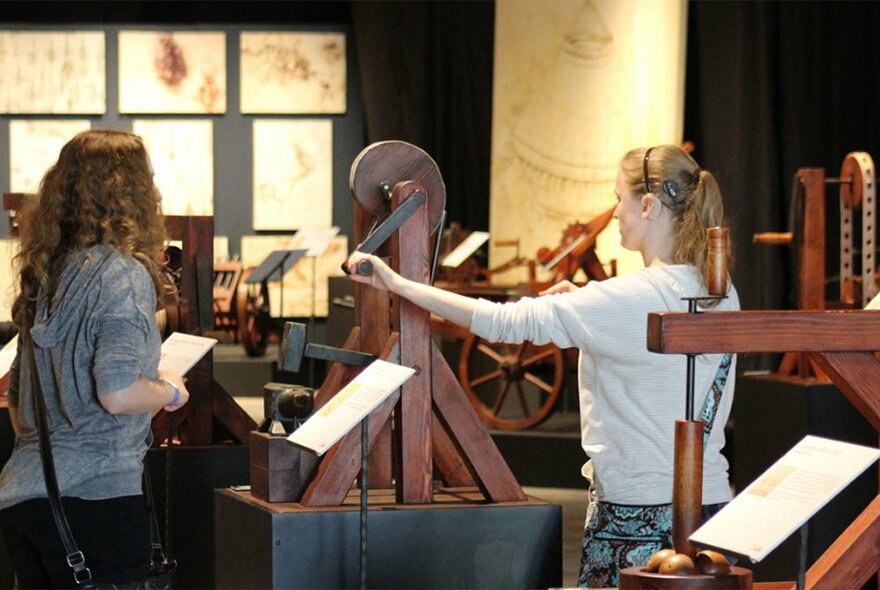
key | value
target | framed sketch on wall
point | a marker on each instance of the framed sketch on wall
(52, 73)
(293, 73)
(34, 146)
(293, 173)
(182, 153)
(172, 72)
(297, 299)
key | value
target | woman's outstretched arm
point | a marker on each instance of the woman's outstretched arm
(450, 306)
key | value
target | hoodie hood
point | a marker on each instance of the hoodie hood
(55, 313)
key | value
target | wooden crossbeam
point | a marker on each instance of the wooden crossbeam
(842, 344)
(764, 331)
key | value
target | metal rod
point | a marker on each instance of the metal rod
(365, 445)
(691, 367)
(802, 565)
(437, 246)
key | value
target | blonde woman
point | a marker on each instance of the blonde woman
(629, 397)
(88, 284)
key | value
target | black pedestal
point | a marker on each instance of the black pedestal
(456, 542)
(770, 416)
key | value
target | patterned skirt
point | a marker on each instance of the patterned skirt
(619, 536)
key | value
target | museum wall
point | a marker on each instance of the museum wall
(294, 175)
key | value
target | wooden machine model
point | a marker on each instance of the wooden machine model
(211, 415)
(842, 344)
(516, 386)
(857, 191)
(241, 309)
(425, 431)
(434, 423)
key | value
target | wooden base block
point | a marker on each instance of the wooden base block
(280, 471)
(636, 578)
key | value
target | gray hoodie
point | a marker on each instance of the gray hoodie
(95, 337)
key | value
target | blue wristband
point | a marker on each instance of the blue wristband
(176, 397)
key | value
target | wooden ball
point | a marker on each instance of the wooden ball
(677, 565)
(711, 563)
(656, 559)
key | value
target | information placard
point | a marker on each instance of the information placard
(784, 497)
(348, 407)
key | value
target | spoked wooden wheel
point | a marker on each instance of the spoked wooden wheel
(252, 314)
(512, 386)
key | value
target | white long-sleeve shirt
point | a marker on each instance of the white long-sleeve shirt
(630, 398)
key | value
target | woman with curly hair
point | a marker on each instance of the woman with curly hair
(629, 397)
(88, 284)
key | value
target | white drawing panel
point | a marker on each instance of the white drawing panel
(573, 91)
(297, 290)
(34, 146)
(8, 250)
(56, 73)
(172, 72)
(182, 153)
(293, 73)
(293, 174)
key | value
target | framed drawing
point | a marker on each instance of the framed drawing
(52, 73)
(34, 146)
(172, 72)
(293, 173)
(182, 153)
(293, 73)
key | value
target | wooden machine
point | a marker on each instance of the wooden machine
(857, 191)
(842, 344)
(516, 386)
(426, 430)
(684, 567)
(241, 309)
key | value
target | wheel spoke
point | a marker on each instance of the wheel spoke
(490, 352)
(538, 382)
(503, 388)
(484, 378)
(538, 357)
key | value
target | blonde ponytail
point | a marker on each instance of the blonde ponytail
(695, 199)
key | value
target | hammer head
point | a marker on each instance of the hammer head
(293, 346)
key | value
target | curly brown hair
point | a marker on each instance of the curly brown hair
(100, 191)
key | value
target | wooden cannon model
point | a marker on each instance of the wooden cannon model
(516, 386)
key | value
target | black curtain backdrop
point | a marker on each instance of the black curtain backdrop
(770, 87)
(773, 87)
(426, 71)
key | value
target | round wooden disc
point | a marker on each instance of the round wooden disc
(858, 166)
(392, 162)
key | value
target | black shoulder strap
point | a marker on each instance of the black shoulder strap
(75, 558)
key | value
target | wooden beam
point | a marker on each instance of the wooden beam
(764, 331)
(853, 558)
(467, 431)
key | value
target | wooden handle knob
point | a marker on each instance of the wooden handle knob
(716, 268)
